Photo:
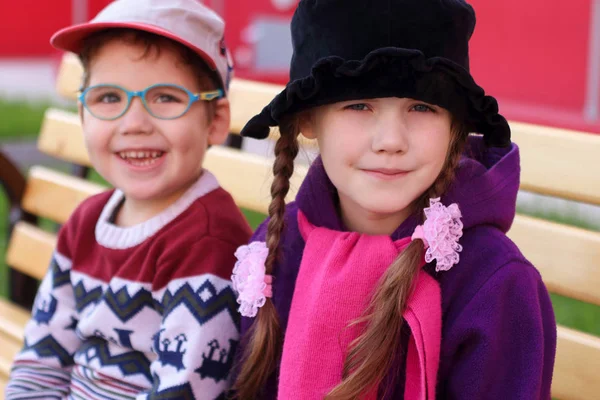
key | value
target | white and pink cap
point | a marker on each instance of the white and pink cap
(188, 22)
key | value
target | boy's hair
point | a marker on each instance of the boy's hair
(370, 355)
(152, 44)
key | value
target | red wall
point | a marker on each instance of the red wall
(26, 33)
(532, 55)
(238, 16)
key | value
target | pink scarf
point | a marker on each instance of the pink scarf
(337, 277)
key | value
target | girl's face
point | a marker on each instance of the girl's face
(381, 155)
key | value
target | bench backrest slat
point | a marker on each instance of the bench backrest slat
(559, 162)
(567, 257)
(576, 366)
(30, 249)
(61, 137)
(55, 195)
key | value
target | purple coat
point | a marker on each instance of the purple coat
(498, 332)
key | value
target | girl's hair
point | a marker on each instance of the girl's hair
(370, 355)
(152, 44)
(264, 342)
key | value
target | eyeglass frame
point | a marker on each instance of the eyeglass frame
(193, 98)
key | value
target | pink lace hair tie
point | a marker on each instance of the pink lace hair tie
(440, 233)
(250, 282)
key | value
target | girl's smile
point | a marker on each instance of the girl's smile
(385, 173)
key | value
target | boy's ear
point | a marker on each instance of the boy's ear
(221, 121)
(80, 110)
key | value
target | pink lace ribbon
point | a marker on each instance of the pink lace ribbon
(440, 233)
(249, 279)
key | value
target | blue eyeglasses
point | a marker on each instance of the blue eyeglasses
(162, 101)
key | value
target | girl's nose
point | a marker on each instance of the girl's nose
(390, 134)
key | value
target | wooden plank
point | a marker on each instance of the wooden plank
(576, 367)
(8, 351)
(54, 195)
(567, 257)
(61, 137)
(20, 255)
(12, 320)
(248, 99)
(559, 162)
(69, 79)
(248, 177)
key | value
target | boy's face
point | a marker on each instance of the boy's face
(150, 159)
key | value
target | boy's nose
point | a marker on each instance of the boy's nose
(136, 119)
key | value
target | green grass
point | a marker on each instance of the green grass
(21, 119)
(254, 218)
(554, 217)
(576, 314)
(3, 241)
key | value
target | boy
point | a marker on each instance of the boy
(137, 303)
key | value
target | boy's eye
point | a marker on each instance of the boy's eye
(422, 108)
(107, 98)
(166, 98)
(110, 98)
(104, 95)
(166, 94)
(357, 107)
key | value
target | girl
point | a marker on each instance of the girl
(391, 275)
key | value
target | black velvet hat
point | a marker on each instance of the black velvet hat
(360, 49)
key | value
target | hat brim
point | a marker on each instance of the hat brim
(72, 38)
(388, 72)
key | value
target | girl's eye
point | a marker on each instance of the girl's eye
(422, 108)
(357, 107)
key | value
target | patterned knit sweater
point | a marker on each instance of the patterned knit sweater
(142, 312)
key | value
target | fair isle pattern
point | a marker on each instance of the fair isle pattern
(47, 338)
(191, 358)
(113, 323)
(181, 353)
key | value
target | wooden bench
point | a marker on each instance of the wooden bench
(554, 162)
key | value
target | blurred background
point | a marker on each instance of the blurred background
(539, 58)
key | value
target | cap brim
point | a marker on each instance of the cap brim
(72, 38)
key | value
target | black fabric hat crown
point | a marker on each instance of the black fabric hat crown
(358, 49)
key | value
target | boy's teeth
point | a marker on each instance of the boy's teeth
(140, 154)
